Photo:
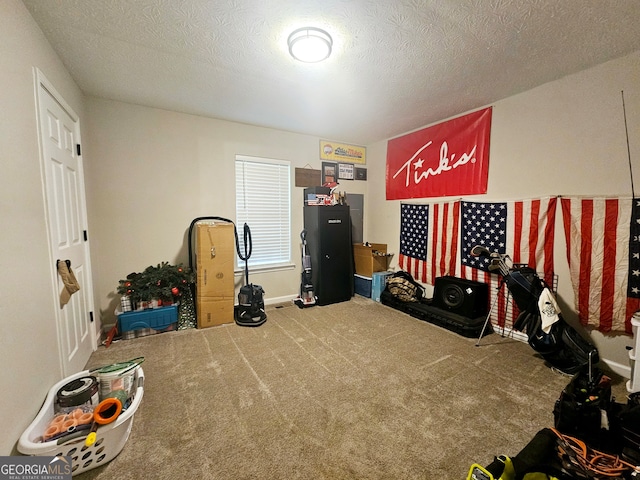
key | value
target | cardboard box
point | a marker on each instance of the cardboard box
(212, 311)
(215, 254)
(370, 258)
(378, 284)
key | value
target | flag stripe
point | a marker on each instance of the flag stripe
(568, 228)
(434, 245)
(585, 258)
(453, 234)
(533, 232)
(549, 239)
(608, 269)
(443, 242)
(518, 213)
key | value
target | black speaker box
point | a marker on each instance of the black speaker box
(463, 297)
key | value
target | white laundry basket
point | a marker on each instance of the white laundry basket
(109, 441)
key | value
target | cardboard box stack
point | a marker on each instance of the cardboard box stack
(370, 257)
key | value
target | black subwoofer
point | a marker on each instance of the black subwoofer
(462, 297)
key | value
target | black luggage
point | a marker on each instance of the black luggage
(424, 309)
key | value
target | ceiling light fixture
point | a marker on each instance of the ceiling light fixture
(310, 44)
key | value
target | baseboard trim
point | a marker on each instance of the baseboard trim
(510, 332)
(618, 368)
(277, 300)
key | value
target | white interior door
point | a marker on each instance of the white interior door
(59, 131)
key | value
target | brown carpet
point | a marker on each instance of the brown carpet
(354, 390)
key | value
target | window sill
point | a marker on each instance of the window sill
(265, 269)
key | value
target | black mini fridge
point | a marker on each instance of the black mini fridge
(329, 246)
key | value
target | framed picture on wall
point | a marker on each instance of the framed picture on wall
(361, 173)
(329, 172)
(345, 171)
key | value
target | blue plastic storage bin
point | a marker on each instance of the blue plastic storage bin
(362, 285)
(155, 318)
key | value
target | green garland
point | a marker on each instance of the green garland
(163, 282)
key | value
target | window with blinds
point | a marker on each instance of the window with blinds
(263, 201)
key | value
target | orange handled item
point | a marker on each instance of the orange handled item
(106, 412)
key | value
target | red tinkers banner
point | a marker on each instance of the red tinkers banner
(451, 158)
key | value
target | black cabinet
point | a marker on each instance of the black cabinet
(329, 246)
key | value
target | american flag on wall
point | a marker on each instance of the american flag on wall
(524, 230)
(603, 251)
(429, 240)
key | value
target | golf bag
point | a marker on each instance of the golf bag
(561, 345)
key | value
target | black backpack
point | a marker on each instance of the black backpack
(587, 410)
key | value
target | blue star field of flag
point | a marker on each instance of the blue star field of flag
(483, 224)
(633, 283)
(414, 230)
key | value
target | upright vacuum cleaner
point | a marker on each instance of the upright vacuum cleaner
(307, 296)
(250, 309)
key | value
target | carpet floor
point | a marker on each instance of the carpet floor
(354, 390)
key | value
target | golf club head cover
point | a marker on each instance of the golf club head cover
(480, 251)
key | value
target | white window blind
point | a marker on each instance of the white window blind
(263, 201)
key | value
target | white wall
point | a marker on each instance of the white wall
(154, 171)
(28, 345)
(563, 138)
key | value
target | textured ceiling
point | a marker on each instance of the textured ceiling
(397, 64)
